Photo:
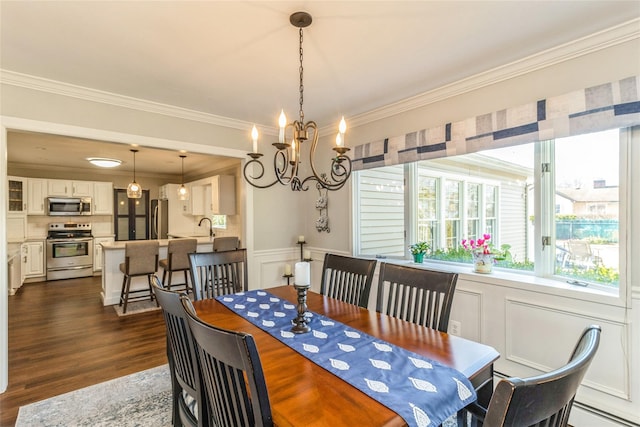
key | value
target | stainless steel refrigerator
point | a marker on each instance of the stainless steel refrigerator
(159, 223)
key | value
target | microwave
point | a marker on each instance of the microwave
(68, 206)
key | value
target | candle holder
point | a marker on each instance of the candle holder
(300, 323)
(302, 250)
(288, 276)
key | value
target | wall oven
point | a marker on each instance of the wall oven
(68, 206)
(69, 251)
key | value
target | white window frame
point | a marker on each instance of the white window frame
(544, 260)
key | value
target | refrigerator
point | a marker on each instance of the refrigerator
(159, 223)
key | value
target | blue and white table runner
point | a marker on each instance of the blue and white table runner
(423, 392)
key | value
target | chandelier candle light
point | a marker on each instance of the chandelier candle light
(286, 160)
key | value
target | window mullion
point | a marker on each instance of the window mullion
(545, 209)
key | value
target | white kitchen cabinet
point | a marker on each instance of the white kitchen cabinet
(102, 198)
(17, 197)
(36, 195)
(67, 188)
(97, 251)
(16, 227)
(197, 200)
(33, 259)
(223, 195)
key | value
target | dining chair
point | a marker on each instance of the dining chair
(347, 279)
(218, 273)
(226, 243)
(543, 400)
(189, 408)
(140, 259)
(417, 295)
(178, 251)
(231, 371)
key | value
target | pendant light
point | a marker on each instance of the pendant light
(134, 191)
(183, 192)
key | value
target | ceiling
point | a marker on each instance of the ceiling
(239, 59)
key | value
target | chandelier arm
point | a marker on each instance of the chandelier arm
(281, 173)
(250, 178)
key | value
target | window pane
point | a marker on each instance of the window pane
(381, 217)
(427, 208)
(497, 190)
(473, 211)
(452, 214)
(587, 207)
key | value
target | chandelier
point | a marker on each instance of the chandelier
(286, 160)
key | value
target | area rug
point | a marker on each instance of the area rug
(136, 308)
(140, 399)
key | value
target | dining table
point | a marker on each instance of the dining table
(302, 393)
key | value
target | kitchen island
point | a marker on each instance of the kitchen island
(113, 256)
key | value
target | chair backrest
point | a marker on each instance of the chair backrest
(218, 273)
(236, 392)
(579, 249)
(141, 257)
(178, 251)
(181, 352)
(417, 295)
(347, 279)
(226, 243)
(545, 399)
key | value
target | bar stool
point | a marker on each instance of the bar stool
(140, 259)
(177, 259)
(230, 243)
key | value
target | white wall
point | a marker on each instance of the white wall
(491, 310)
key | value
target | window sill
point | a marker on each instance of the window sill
(524, 281)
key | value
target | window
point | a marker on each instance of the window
(574, 204)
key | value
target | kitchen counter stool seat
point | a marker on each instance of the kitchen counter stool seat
(140, 259)
(178, 251)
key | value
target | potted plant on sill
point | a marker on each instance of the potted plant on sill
(484, 253)
(418, 250)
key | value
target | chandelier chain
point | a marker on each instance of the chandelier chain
(301, 81)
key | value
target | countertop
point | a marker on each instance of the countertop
(13, 250)
(163, 243)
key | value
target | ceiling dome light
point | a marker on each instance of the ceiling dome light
(104, 162)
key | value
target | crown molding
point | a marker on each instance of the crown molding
(592, 43)
(94, 95)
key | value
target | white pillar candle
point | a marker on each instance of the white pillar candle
(254, 138)
(303, 274)
(301, 238)
(307, 254)
(287, 270)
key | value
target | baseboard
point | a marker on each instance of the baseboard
(586, 416)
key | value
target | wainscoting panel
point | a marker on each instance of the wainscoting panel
(467, 309)
(543, 337)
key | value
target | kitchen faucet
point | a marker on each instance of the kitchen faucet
(211, 233)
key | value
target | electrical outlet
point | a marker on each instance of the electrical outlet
(455, 327)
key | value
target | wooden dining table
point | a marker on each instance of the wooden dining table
(304, 394)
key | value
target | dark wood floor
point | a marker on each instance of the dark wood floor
(61, 338)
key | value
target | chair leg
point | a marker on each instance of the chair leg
(186, 282)
(151, 290)
(164, 279)
(124, 281)
(126, 294)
